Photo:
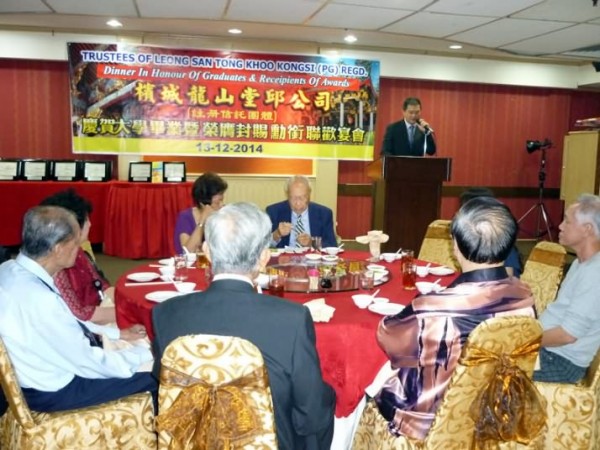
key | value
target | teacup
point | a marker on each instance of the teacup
(389, 257)
(362, 300)
(167, 271)
(422, 271)
(185, 287)
(425, 287)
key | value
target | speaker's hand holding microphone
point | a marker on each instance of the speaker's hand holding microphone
(424, 126)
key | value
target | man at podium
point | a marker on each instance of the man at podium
(411, 136)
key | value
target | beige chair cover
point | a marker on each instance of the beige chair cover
(214, 394)
(512, 338)
(125, 424)
(437, 245)
(543, 272)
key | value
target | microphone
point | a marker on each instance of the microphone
(428, 129)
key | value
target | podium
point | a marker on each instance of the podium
(407, 195)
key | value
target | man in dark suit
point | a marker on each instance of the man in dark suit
(411, 136)
(315, 219)
(237, 241)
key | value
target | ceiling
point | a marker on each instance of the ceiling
(556, 30)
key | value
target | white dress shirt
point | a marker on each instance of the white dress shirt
(44, 340)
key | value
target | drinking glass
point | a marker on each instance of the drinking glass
(277, 282)
(316, 243)
(367, 280)
(409, 270)
(201, 260)
(181, 270)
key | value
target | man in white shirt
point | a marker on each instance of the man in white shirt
(56, 363)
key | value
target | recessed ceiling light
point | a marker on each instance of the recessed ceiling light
(350, 38)
(114, 23)
(456, 47)
(234, 31)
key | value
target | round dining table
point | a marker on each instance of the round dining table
(348, 351)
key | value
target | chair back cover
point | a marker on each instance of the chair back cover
(126, 424)
(453, 427)
(514, 337)
(12, 390)
(214, 394)
(543, 272)
(437, 245)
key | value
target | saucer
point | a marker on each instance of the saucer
(142, 276)
(161, 296)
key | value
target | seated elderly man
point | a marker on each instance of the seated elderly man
(296, 219)
(424, 341)
(56, 357)
(237, 241)
(572, 323)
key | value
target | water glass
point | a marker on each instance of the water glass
(181, 270)
(367, 280)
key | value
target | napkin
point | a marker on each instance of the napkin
(319, 310)
(373, 236)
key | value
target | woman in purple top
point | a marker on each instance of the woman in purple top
(208, 192)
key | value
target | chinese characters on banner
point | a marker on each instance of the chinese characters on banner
(162, 101)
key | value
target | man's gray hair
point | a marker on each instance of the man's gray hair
(44, 227)
(296, 179)
(484, 230)
(588, 211)
(236, 235)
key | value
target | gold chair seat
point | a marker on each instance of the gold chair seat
(127, 423)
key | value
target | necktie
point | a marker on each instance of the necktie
(299, 228)
(95, 340)
(411, 134)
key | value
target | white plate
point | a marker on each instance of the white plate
(313, 256)
(143, 276)
(329, 258)
(166, 261)
(161, 296)
(441, 271)
(385, 309)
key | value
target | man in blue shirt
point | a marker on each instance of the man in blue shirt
(57, 364)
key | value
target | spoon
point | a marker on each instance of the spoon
(399, 250)
(375, 294)
(341, 245)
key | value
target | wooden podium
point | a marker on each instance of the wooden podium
(407, 194)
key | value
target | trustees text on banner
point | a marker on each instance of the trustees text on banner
(134, 99)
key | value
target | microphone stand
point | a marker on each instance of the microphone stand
(542, 213)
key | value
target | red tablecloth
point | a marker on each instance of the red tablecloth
(140, 218)
(18, 196)
(348, 351)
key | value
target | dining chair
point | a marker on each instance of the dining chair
(127, 423)
(514, 339)
(437, 245)
(573, 412)
(214, 391)
(543, 272)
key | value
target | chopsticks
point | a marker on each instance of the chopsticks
(149, 283)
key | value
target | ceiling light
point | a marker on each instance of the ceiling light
(456, 46)
(234, 31)
(350, 38)
(114, 23)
